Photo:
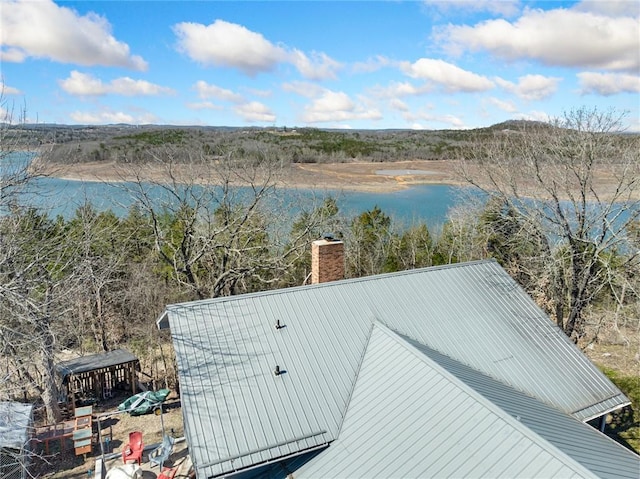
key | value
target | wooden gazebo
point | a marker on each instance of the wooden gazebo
(98, 376)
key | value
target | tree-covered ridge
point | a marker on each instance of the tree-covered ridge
(156, 137)
(125, 143)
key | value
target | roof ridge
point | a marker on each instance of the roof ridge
(355, 379)
(304, 287)
(485, 402)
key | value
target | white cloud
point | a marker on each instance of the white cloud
(555, 37)
(330, 106)
(8, 90)
(533, 116)
(531, 87)
(449, 120)
(206, 90)
(203, 105)
(318, 67)
(255, 112)
(372, 64)
(226, 44)
(449, 76)
(108, 116)
(507, 106)
(130, 87)
(43, 29)
(498, 7)
(398, 104)
(309, 90)
(503, 105)
(260, 93)
(337, 106)
(401, 89)
(610, 7)
(83, 84)
(608, 83)
(229, 45)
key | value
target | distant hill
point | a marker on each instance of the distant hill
(138, 143)
(517, 125)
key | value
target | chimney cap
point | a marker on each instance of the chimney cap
(329, 236)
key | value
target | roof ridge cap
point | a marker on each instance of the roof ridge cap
(355, 379)
(305, 287)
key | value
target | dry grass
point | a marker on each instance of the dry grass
(617, 354)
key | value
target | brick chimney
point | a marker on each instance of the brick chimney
(327, 260)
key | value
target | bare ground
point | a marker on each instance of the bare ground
(64, 464)
(361, 176)
(353, 176)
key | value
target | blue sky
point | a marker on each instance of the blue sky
(342, 64)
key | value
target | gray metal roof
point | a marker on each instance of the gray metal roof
(408, 417)
(598, 453)
(238, 413)
(16, 421)
(94, 361)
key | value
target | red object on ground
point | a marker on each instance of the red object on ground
(133, 450)
(168, 473)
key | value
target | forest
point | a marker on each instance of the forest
(98, 281)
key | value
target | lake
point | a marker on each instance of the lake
(418, 204)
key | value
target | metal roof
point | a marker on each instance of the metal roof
(94, 361)
(584, 444)
(238, 413)
(408, 417)
(16, 421)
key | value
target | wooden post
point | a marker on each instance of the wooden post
(132, 375)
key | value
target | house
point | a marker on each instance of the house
(16, 431)
(449, 371)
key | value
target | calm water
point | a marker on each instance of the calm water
(419, 204)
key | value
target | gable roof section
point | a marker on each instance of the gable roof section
(409, 417)
(598, 453)
(239, 414)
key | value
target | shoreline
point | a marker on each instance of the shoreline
(370, 177)
(385, 177)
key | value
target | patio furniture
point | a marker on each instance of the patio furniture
(133, 450)
(162, 452)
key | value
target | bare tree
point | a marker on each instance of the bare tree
(575, 179)
(217, 222)
(33, 292)
(33, 302)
